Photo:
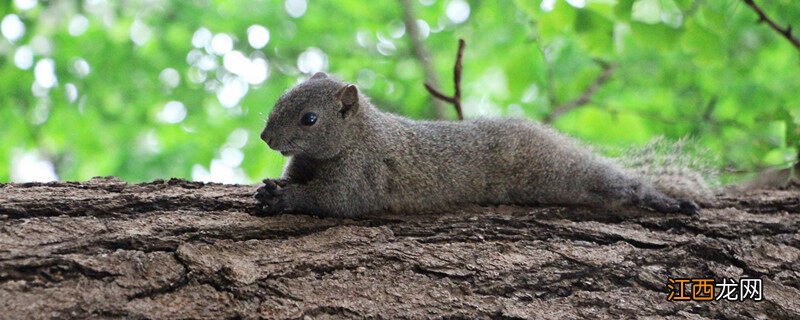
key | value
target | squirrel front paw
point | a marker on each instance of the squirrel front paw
(270, 197)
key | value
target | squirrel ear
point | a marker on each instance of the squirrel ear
(349, 98)
(319, 75)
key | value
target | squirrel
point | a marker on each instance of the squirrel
(349, 159)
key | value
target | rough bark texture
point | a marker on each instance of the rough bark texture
(177, 249)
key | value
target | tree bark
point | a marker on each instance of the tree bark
(178, 249)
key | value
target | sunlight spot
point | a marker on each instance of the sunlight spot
(45, 73)
(257, 36)
(647, 11)
(140, 32)
(173, 112)
(577, 3)
(193, 56)
(457, 11)
(196, 75)
(212, 85)
(38, 91)
(390, 88)
(483, 107)
(397, 29)
(219, 172)
(148, 143)
(235, 62)
(253, 71)
(427, 3)
(440, 25)
(12, 27)
(312, 60)
(82, 104)
(78, 25)
(237, 138)
(30, 167)
(363, 38)
(71, 91)
(221, 43)
(41, 112)
(672, 18)
(547, 5)
(170, 77)
(621, 32)
(232, 91)
(671, 15)
(257, 72)
(199, 173)
(366, 78)
(41, 45)
(386, 47)
(493, 83)
(201, 38)
(530, 94)
(23, 58)
(207, 63)
(295, 8)
(231, 157)
(81, 67)
(25, 4)
(424, 28)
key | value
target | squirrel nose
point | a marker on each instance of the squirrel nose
(266, 138)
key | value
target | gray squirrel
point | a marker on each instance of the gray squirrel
(349, 159)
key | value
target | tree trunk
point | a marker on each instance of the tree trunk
(178, 249)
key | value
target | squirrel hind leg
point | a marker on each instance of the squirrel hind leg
(665, 204)
(689, 207)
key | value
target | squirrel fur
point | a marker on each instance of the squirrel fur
(355, 160)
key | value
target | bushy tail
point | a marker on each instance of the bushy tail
(677, 169)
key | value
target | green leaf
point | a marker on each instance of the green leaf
(595, 32)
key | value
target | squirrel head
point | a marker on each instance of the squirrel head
(313, 118)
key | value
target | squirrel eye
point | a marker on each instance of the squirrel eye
(309, 118)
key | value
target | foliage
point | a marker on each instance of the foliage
(124, 71)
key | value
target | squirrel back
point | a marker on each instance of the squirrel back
(347, 158)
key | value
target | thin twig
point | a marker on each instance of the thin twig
(438, 94)
(587, 94)
(457, 77)
(456, 98)
(421, 53)
(762, 17)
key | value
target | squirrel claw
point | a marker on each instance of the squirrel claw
(271, 188)
(278, 182)
(261, 211)
(269, 196)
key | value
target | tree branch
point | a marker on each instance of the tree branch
(421, 53)
(438, 94)
(586, 96)
(456, 98)
(762, 18)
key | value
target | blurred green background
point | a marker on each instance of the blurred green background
(147, 89)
